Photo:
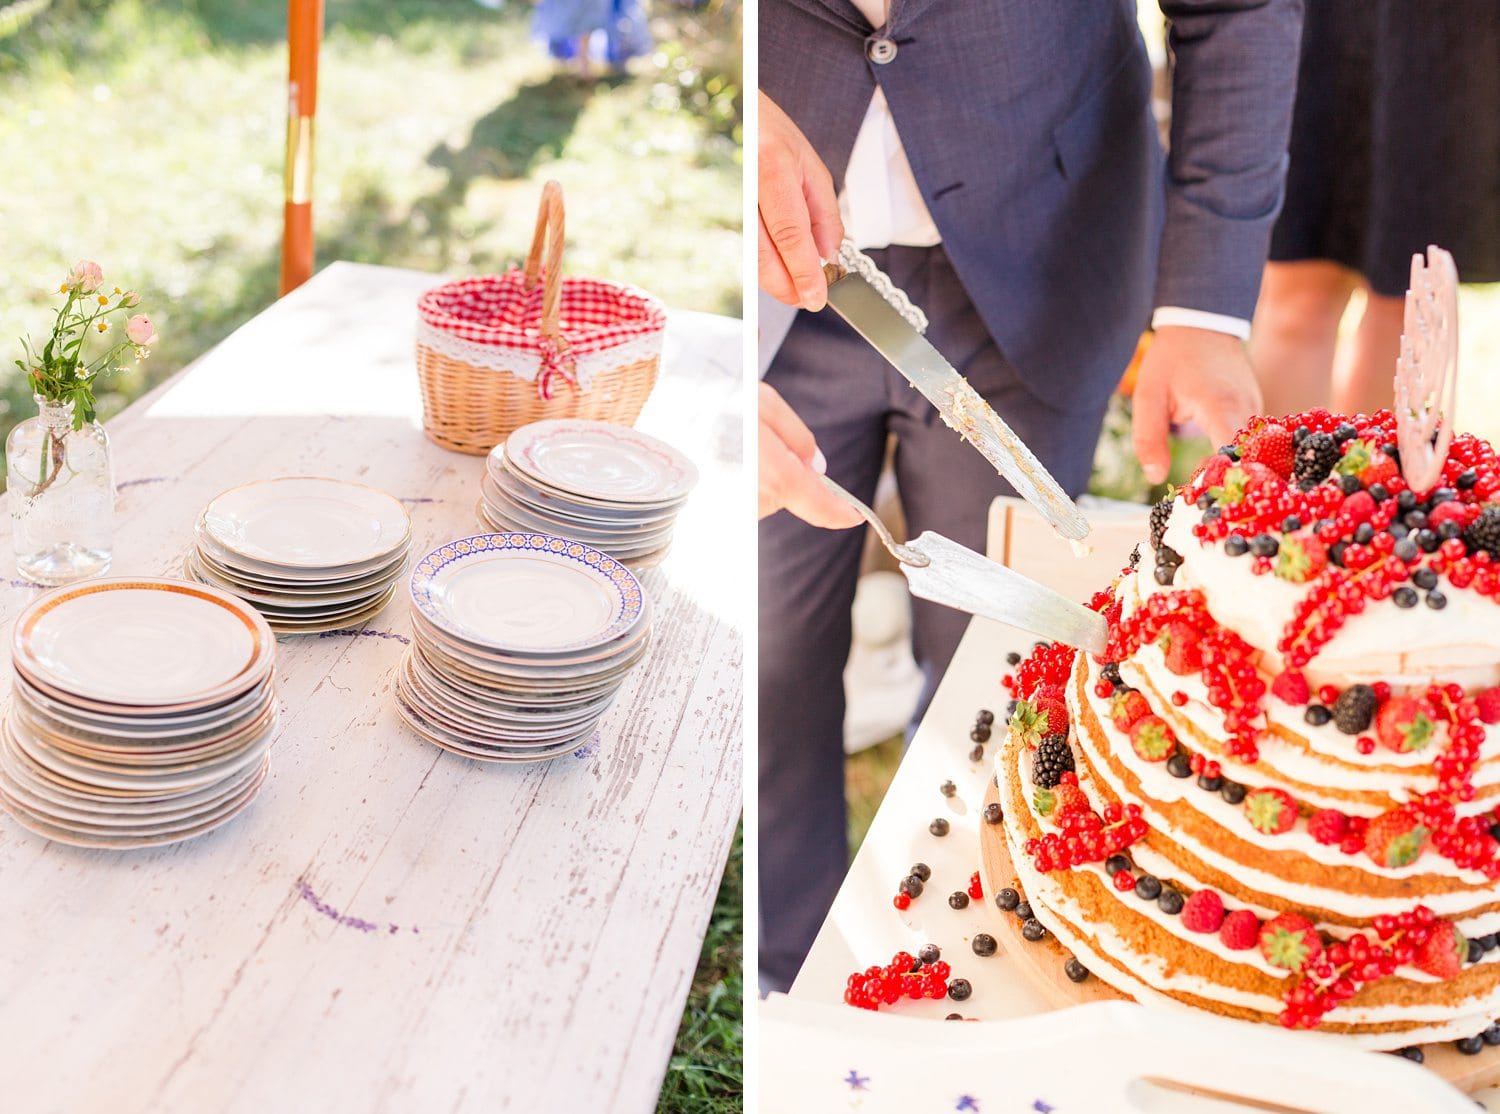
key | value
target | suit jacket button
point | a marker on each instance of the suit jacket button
(881, 51)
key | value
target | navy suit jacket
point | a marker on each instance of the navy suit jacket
(1028, 126)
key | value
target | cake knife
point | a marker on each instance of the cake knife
(941, 570)
(885, 317)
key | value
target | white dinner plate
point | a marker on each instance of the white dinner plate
(526, 519)
(444, 707)
(307, 522)
(148, 723)
(41, 782)
(43, 796)
(559, 697)
(86, 777)
(312, 594)
(501, 706)
(502, 485)
(260, 573)
(344, 622)
(295, 582)
(108, 838)
(503, 672)
(601, 460)
(526, 592)
(167, 645)
(468, 748)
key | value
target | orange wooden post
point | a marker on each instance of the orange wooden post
(304, 37)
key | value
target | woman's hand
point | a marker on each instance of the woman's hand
(790, 464)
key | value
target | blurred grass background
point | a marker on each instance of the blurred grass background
(149, 136)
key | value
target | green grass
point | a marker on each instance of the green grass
(150, 136)
(867, 775)
(706, 1073)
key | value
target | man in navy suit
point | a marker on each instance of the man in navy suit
(999, 160)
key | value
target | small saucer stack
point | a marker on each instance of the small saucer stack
(142, 712)
(520, 642)
(309, 554)
(605, 485)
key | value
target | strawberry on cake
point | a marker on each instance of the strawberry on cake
(1272, 796)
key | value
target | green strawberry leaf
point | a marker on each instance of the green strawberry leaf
(1044, 801)
(1287, 950)
(1265, 812)
(1357, 457)
(1406, 848)
(1417, 734)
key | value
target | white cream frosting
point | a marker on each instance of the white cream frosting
(1382, 643)
(1150, 979)
(1162, 786)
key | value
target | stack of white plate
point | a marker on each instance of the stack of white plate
(605, 485)
(309, 554)
(520, 642)
(142, 712)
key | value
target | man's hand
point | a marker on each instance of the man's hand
(799, 212)
(789, 467)
(1190, 375)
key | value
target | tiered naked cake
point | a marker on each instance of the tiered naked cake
(1272, 796)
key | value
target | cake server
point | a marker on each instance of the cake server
(863, 296)
(941, 570)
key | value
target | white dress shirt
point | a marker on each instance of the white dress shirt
(882, 206)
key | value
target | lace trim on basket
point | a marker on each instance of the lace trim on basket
(527, 365)
(852, 259)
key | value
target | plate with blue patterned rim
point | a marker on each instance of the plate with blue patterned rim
(525, 592)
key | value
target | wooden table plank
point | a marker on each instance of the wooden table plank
(390, 927)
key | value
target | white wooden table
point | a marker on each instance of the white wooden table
(391, 927)
(862, 927)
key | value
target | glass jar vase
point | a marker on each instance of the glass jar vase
(61, 487)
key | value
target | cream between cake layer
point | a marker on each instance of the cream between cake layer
(1049, 900)
(1166, 788)
(1163, 787)
(1336, 761)
(1382, 643)
(1154, 863)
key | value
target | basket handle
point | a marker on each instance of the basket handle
(548, 235)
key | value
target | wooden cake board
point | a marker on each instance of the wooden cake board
(1042, 964)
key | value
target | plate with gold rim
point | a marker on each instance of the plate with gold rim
(152, 644)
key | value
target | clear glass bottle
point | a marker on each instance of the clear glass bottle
(62, 496)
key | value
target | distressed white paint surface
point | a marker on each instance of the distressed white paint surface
(390, 927)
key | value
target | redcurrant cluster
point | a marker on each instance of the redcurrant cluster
(1087, 837)
(1047, 664)
(1466, 733)
(1234, 683)
(1339, 974)
(904, 977)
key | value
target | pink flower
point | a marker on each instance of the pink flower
(140, 330)
(86, 275)
(130, 299)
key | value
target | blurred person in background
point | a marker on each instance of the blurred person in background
(1001, 163)
(590, 31)
(1395, 145)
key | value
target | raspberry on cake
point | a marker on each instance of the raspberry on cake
(1288, 733)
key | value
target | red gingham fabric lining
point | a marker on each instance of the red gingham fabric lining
(493, 309)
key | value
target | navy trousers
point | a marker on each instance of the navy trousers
(852, 400)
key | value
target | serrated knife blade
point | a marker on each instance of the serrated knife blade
(891, 334)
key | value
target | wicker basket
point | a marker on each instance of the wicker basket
(498, 352)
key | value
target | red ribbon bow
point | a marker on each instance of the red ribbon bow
(557, 360)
